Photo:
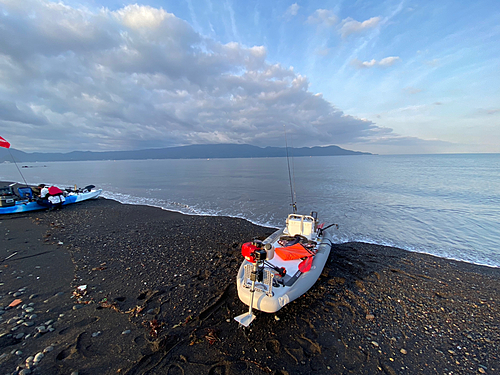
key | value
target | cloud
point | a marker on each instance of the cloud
(292, 10)
(350, 26)
(385, 62)
(140, 77)
(480, 112)
(322, 17)
(136, 17)
(388, 61)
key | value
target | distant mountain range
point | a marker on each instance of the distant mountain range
(213, 151)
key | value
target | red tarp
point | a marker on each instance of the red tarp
(296, 251)
(54, 190)
(4, 143)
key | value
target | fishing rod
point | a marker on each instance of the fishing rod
(5, 144)
(292, 192)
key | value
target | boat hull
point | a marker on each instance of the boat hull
(283, 294)
(26, 206)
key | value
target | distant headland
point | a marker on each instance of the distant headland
(208, 151)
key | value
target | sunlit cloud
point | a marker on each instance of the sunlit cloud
(385, 62)
(350, 26)
(140, 77)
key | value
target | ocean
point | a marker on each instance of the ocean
(444, 205)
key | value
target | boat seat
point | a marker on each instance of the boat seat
(25, 192)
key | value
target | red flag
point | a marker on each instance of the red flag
(4, 143)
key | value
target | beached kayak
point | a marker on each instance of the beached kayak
(15, 198)
(283, 267)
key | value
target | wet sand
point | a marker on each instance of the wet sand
(158, 296)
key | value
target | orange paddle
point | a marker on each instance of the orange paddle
(306, 264)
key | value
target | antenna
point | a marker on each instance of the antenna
(292, 192)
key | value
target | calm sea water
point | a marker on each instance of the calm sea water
(445, 205)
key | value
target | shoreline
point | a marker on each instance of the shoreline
(160, 296)
(268, 225)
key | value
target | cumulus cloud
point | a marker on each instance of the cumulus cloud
(323, 17)
(140, 77)
(350, 26)
(385, 62)
(292, 10)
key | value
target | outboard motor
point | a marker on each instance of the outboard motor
(256, 251)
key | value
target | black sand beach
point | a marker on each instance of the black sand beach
(107, 288)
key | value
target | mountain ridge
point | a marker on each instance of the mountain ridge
(206, 151)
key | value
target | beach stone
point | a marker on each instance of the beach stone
(29, 309)
(38, 357)
(41, 329)
(126, 332)
(74, 373)
(48, 322)
(30, 359)
(95, 334)
(33, 296)
(48, 349)
(25, 371)
(17, 294)
(375, 344)
(77, 307)
(403, 351)
(370, 317)
(32, 316)
(18, 352)
(28, 324)
(19, 336)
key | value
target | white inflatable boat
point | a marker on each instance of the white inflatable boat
(283, 267)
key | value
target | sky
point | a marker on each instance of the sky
(388, 77)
